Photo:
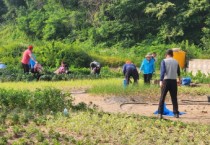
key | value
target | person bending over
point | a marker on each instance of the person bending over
(129, 70)
(95, 67)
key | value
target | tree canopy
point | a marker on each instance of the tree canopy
(111, 22)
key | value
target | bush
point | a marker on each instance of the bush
(40, 101)
(11, 53)
(77, 58)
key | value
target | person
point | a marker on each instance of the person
(63, 69)
(154, 56)
(168, 82)
(27, 54)
(35, 68)
(147, 68)
(32, 63)
(95, 67)
(129, 69)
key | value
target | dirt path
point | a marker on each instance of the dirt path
(194, 113)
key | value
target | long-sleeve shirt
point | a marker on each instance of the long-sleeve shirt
(147, 66)
(169, 69)
(126, 67)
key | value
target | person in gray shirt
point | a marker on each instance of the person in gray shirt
(169, 72)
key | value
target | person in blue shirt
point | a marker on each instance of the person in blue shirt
(32, 63)
(129, 70)
(147, 68)
(35, 67)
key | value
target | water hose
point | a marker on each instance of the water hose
(185, 102)
(126, 103)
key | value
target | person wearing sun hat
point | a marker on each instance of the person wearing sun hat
(129, 70)
(147, 68)
(27, 55)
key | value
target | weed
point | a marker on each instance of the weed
(3, 140)
(20, 141)
(40, 137)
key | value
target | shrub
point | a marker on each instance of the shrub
(74, 57)
(11, 53)
(40, 101)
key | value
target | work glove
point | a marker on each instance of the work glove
(161, 84)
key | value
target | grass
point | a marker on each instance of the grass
(92, 127)
(110, 86)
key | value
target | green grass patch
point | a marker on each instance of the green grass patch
(109, 86)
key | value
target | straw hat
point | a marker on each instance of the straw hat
(148, 55)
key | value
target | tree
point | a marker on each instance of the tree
(3, 10)
(12, 8)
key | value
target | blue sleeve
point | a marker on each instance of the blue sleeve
(178, 71)
(162, 70)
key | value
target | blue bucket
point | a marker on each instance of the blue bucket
(124, 83)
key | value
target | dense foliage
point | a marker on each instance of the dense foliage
(78, 31)
(111, 22)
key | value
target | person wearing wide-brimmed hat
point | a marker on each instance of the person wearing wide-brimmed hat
(147, 68)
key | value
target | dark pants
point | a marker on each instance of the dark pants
(133, 73)
(147, 78)
(25, 68)
(171, 86)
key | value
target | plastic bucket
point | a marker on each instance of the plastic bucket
(124, 83)
(186, 81)
(180, 57)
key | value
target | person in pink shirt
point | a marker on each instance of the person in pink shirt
(27, 54)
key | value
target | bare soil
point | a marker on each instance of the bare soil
(197, 112)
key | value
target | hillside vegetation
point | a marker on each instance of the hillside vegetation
(110, 31)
